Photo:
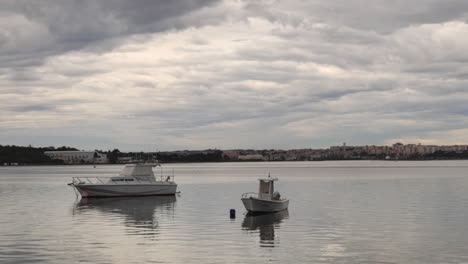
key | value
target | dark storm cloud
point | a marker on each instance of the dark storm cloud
(35, 30)
(376, 15)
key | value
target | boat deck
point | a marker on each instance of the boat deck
(121, 180)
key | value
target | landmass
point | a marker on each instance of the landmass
(21, 155)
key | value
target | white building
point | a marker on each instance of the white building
(78, 157)
(250, 157)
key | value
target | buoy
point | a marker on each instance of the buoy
(232, 213)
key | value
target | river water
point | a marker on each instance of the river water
(339, 212)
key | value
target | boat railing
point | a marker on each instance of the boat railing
(87, 180)
(166, 178)
(263, 196)
(249, 194)
(120, 180)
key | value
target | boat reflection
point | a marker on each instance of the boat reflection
(265, 224)
(137, 212)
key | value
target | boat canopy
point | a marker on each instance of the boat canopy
(140, 171)
(268, 179)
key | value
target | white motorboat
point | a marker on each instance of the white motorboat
(133, 180)
(266, 200)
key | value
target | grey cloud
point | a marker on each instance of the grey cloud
(33, 108)
(23, 75)
(52, 27)
(378, 15)
(85, 21)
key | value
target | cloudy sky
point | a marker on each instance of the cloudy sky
(165, 75)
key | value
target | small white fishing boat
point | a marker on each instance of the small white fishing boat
(266, 200)
(133, 180)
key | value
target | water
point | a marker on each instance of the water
(340, 212)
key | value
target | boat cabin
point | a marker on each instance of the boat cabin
(138, 171)
(266, 189)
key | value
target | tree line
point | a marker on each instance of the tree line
(19, 155)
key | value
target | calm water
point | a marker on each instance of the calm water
(340, 212)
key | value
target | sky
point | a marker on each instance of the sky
(155, 75)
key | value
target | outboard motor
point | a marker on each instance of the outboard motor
(276, 196)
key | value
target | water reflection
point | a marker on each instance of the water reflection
(265, 224)
(138, 212)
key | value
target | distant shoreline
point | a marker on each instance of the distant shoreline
(258, 161)
(19, 155)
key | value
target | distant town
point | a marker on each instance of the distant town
(18, 155)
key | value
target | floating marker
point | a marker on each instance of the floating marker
(232, 213)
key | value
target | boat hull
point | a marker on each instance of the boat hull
(119, 190)
(255, 205)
